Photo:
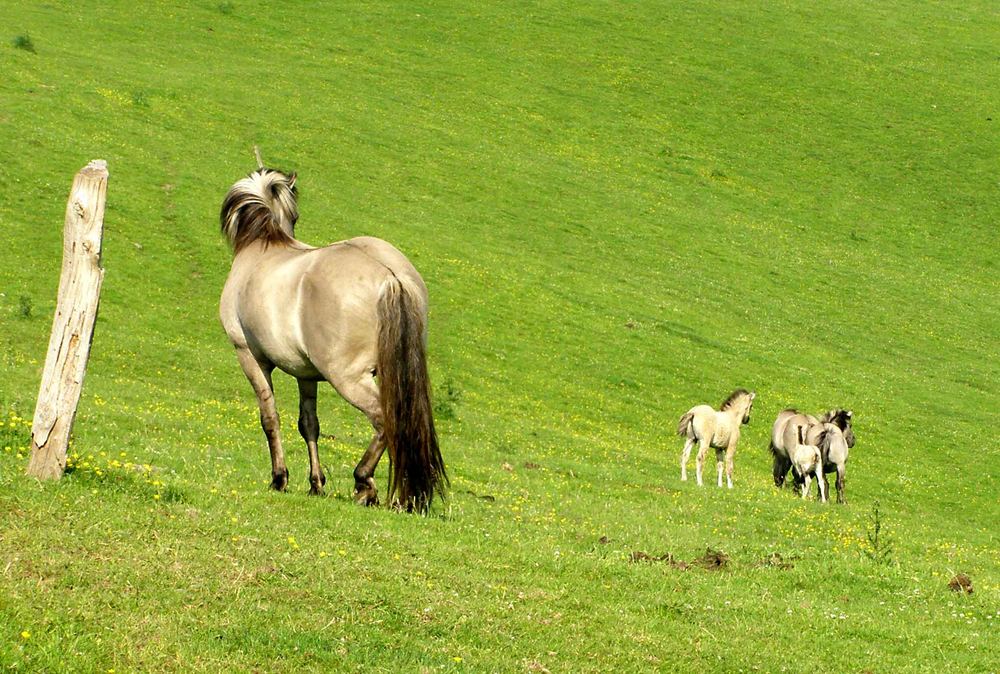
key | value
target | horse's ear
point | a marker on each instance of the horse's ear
(291, 180)
(753, 394)
(849, 414)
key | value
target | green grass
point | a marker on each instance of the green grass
(621, 210)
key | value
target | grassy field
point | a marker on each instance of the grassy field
(620, 210)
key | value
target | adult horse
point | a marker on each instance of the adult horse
(834, 449)
(840, 437)
(353, 313)
(720, 430)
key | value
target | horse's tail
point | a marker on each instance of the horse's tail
(684, 426)
(416, 467)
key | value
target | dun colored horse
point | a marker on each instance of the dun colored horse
(720, 430)
(353, 313)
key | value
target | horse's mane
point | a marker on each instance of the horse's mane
(839, 417)
(261, 207)
(733, 397)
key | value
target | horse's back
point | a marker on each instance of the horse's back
(835, 446)
(704, 422)
(788, 436)
(313, 311)
(778, 431)
(390, 258)
(340, 295)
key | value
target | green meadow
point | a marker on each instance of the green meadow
(621, 210)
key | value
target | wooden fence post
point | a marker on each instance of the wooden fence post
(73, 326)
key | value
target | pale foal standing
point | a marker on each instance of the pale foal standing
(720, 430)
(807, 459)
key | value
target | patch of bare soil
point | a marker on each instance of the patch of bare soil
(714, 560)
(961, 583)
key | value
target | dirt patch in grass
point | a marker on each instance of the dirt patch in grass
(961, 583)
(712, 560)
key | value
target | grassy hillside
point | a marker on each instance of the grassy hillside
(620, 210)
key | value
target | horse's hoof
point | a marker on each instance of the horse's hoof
(280, 482)
(316, 486)
(366, 498)
(365, 492)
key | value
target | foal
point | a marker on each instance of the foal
(806, 459)
(720, 430)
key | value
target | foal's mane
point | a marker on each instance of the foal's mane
(733, 398)
(261, 207)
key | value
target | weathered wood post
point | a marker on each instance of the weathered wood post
(73, 326)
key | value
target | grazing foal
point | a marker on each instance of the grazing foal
(720, 430)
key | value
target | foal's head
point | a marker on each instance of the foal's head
(740, 402)
(261, 207)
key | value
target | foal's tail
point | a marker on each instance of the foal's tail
(417, 470)
(684, 426)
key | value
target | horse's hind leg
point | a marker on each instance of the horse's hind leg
(309, 428)
(365, 492)
(260, 378)
(719, 464)
(360, 390)
(685, 455)
(841, 486)
(780, 470)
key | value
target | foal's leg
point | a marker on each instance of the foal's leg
(822, 483)
(730, 456)
(826, 484)
(260, 378)
(309, 428)
(797, 478)
(700, 460)
(719, 464)
(685, 455)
